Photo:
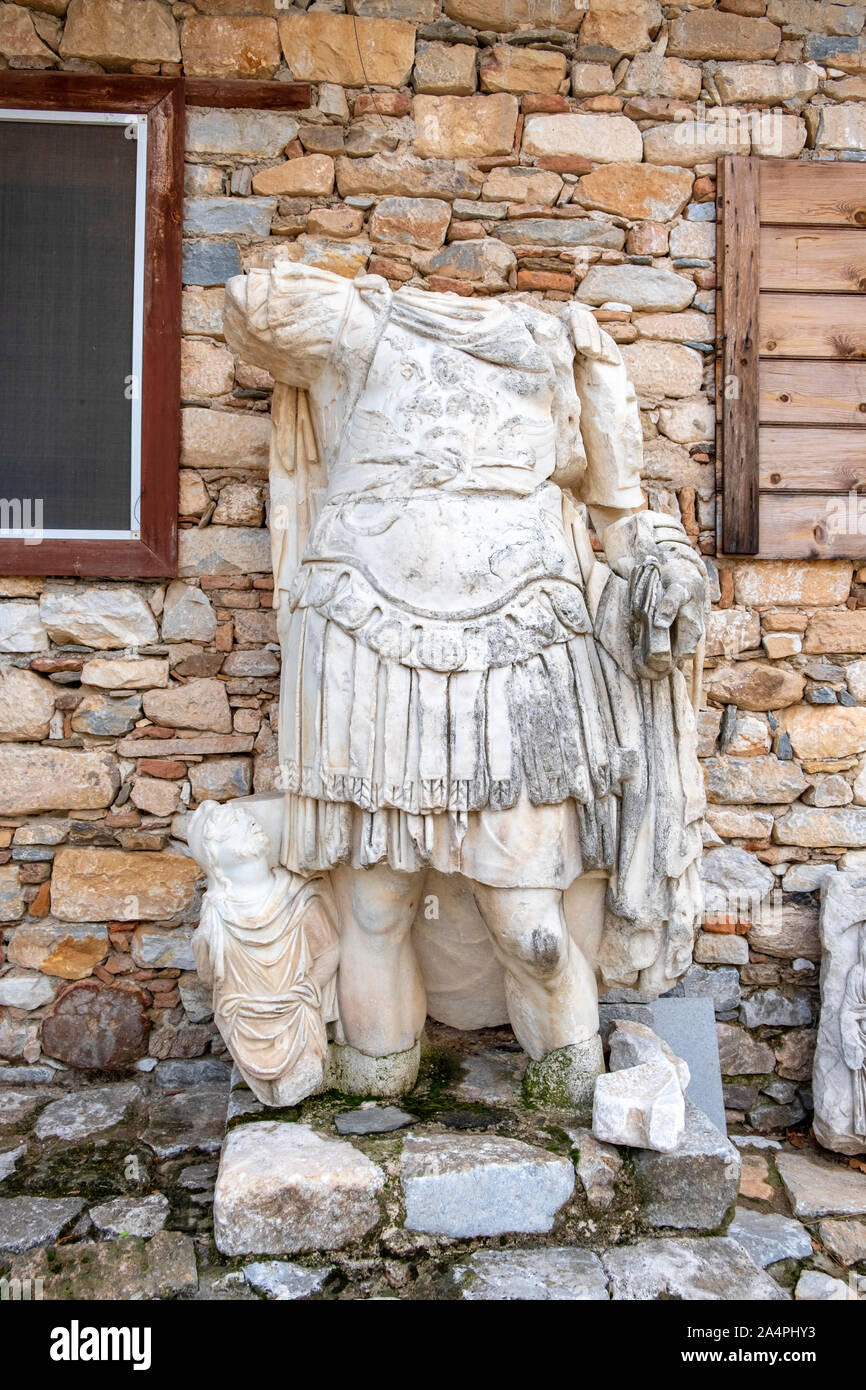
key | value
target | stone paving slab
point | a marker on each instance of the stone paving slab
(462, 1186)
(694, 1270)
(558, 1273)
(29, 1221)
(819, 1189)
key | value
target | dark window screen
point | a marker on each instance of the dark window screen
(67, 245)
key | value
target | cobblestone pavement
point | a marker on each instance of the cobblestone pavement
(106, 1191)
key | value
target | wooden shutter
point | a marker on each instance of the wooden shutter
(791, 370)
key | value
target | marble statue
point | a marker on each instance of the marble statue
(267, 944)
(839, 1080)
(472, 697)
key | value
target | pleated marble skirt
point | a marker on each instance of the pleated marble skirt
(508, 775)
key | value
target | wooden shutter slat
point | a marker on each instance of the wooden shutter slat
(738, 297)
(810, 259)
(814, 194)
(812, 393)
(814, 325)
(811, 460)
(798, 527)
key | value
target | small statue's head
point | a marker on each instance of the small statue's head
(222, 837)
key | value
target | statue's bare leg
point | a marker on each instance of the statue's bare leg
(382, 1000)
(549, 985)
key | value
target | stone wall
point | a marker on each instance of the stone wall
(549, 149)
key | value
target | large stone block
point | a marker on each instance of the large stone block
(643, 287)
(765, 779)
(101, 618)
(688, 1270)
(128, 673)
(717, 34)
(466, 1186)
(815, 827)
(97, 1026)
(637, 191)
(353, 52)
(199, 704)
(250, 217)
(311, 176)
(503, 16)
(20, 44)
(230, 46)
(571, 231)
(816, 16)
(221, 779)
(21, 628)
(240, 133)
(506, 69)
(68, 950)
(816, 1189)
(444, 69)
(754, 685)
(209, 262)
(416, 221)
(224, 550)
(625, 26)
(810, 583)
(220, 438)
(558, 1273)
(405, 175)
(282, 1188)
(820, 733)
(464, 127)
(692, 1187)
(601, 138)
(48, 779)
(26, 705)
(765, 82)
(663, 369)
(843, 127)
(117, 33)
(726, 130)
(518, 185)
(206, 369)
(485, 263)
(102, 885)
(842, 631)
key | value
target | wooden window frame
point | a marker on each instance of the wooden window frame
(161, 100)
(800, 394)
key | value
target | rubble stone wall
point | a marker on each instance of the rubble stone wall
(548, 148)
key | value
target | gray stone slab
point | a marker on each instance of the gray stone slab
(377, 1119)
(84, 1113)
(769, 1237)
(29, 1221)
(9, 1160)
(557, 1274)
(473, 1186)
(688, 1026)
(713, 1270)
(817, 1189)
(131, 1216)
(193, 1119)
(693, 1186)
(283, 1280)
(210, 262)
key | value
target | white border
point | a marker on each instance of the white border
(138, 126)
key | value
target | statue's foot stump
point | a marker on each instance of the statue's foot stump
(565, 1079)
(356, 1074)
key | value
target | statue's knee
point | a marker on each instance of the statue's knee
(541, 948)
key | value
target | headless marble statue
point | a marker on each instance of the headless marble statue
(466, 687)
